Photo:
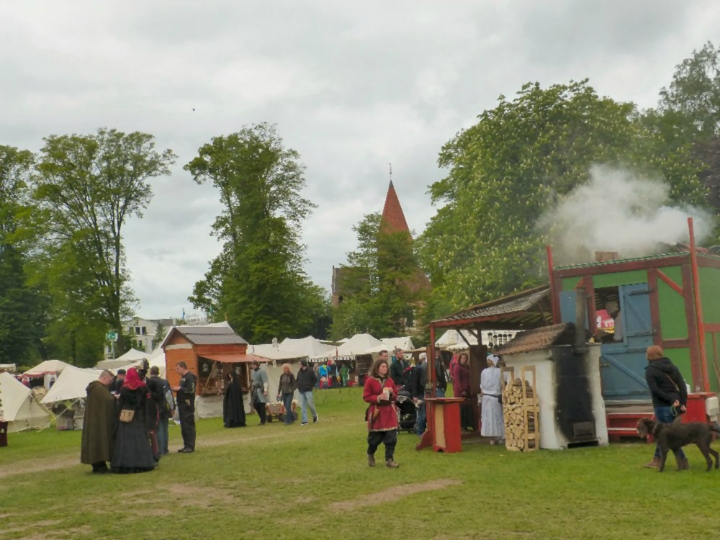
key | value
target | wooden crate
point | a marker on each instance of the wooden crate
(521, 411)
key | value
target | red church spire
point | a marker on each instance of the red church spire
(393, 218)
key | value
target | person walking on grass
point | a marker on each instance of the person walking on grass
(260, 387)
(669, 397)
(306, 381)
(286, 391)
(186, 406)
(382, 421)
(98, 436)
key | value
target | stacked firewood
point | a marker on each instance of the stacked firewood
(519, 416)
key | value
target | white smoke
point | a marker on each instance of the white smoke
(621, 212)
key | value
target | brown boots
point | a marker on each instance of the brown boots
(390, 464)
(371, 460)
(682, 463)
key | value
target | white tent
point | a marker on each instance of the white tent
(19, 406)
(390, 344)
(157, 359)
(47, 367)
(307, 347)
(133, 355)
(71, 384)
(453, 341)
(269, 351)
(114, 364)
(358, 344)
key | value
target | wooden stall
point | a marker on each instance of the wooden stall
(210, 352)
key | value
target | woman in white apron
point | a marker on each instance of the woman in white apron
(492, 412)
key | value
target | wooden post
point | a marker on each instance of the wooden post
(698, 307)
(553, 292)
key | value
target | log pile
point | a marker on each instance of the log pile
(520, 416)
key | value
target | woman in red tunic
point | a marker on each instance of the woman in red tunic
(380, 393)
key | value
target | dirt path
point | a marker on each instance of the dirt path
(66, 461)
(393, 494)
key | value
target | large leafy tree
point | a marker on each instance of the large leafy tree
(21, 305)
(508, 168)
(382, 284)
(86, 188)
(258, 281)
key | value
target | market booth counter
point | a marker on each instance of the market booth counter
(210, 352)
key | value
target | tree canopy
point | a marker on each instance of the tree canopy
(509, 167)
(257, 282)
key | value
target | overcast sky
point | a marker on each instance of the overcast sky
(352, 86)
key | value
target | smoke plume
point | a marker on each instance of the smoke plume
(622, 212)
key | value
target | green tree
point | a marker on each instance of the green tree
(87, 187)
(382, 284)
(257, 282)
(160, 333)
(509, 167)
(21, 305)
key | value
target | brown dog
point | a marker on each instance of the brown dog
(676, 435)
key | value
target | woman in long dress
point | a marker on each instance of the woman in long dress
(492, 412)
(233, 405)
(132, 452)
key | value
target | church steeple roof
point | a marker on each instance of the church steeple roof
(393, 218)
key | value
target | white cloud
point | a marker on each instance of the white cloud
(352, 86)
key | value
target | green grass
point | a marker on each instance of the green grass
(282, 482)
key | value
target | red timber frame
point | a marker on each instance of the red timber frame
(690, 291)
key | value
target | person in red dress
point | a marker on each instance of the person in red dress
(382, 421)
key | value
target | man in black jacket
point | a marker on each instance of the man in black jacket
(418, 383)
(398, 367)
(669, 396)
(306, 381)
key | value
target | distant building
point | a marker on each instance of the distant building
(142, 334)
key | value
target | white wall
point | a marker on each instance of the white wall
(546, 387)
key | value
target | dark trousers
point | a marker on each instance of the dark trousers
(466, 416)
(389, 438)
(261, 410)
(162, 435)
(421, 419)
(186, 412)
(287, 403)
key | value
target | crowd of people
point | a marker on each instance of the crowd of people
(127, 416)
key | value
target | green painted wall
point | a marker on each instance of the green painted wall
(710, 294)
(681, 358)
(712, 371)
(620, 278)
(673, 323)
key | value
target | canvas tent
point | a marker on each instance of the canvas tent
(390, 344)
(48, 367)
(19, 407)
(307, 347)
(358, 344)
(71, 385)
(453, 341)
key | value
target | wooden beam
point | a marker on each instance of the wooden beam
(628, 266)
(591, 310)
(653, 274)
(693, 331)
(707, 262)
(675, 343)
(554, 292)
(711, 327)
(674, 286)
(698, 306)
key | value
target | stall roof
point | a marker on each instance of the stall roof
(527, 309)
(536, 339)
(208, 335)
(234, 358)
(48, 366)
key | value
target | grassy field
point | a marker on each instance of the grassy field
(280, 482)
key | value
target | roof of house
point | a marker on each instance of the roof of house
(529, 308)
(536, 339)
(209, 335)
(393, 217)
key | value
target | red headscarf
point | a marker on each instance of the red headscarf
(132, 380)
